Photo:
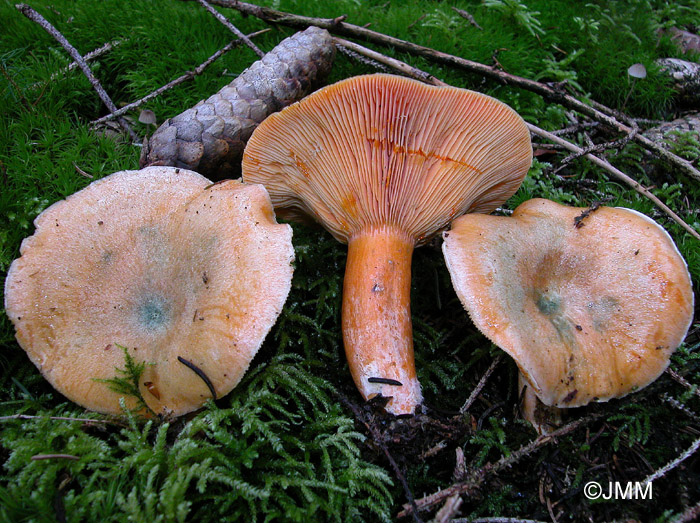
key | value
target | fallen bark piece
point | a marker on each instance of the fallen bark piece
(687, 41)
(669, 131)
(158, 262)
(210, 137)
(686, 79)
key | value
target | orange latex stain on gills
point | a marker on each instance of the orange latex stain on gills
(303, 168)
(397, 149)
(349, 205)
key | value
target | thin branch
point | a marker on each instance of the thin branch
(496, 520)
(337, 26)
(397, 65)
(73, 52)
(617, 174)
(468, 17)
(678, 405)
(58, 418)
(187, 76)
(479, 386)
(680, 379)
(690, 514)
(425, 77)
(478, 477)
(376, 437)
(673, 464)
(38, 457)
(96, 53)
(221, 18)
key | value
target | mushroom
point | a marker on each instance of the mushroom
(383, 163)
(158, 261)
(589, 302)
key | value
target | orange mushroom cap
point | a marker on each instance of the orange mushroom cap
(382, 150)
(589, 303)
(383, 163)
(159, 261)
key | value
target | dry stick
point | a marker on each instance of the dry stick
(673, 464)
(496, 520)
(422, 75)
(73, 52)
(57, 418)
(96, 53)
(482, 382)
(690, 514)
(37, 457)
(221, 18)
(464, 14)
(478, 477)
(337, 26)
(680, 379)
(618, 174)
(378, 439)
(187, 76)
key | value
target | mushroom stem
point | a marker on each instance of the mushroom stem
(377, 330)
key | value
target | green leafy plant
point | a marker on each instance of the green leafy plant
(280, 448)
(127, 380)
(492, 438)
(633, 425)
(519, 13)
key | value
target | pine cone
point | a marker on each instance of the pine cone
(210, 137)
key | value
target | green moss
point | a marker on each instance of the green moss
(284, 445)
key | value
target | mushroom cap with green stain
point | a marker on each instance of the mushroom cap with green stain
(589, 302)
(186, 275)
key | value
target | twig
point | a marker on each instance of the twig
(482, 382)
(221, 18)
(421, 75)
(548, 92)
(391, 62)
(377, 438)
(617, 174)
(96, 53)
(58, 418)
(358, 57)
(54, 456)
(678, 405)
(187, 76)
(449, 509)
(496, 520)
(478, 477)
(673, 464)
(467, 16)
(680, 379)
(690, 514)
(599, 147)
(73, 52)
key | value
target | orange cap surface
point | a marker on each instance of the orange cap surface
(159, 261)
(590, 304)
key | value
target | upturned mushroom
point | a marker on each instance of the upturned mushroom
(158, 261)
(590, 303)
(384, 163)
